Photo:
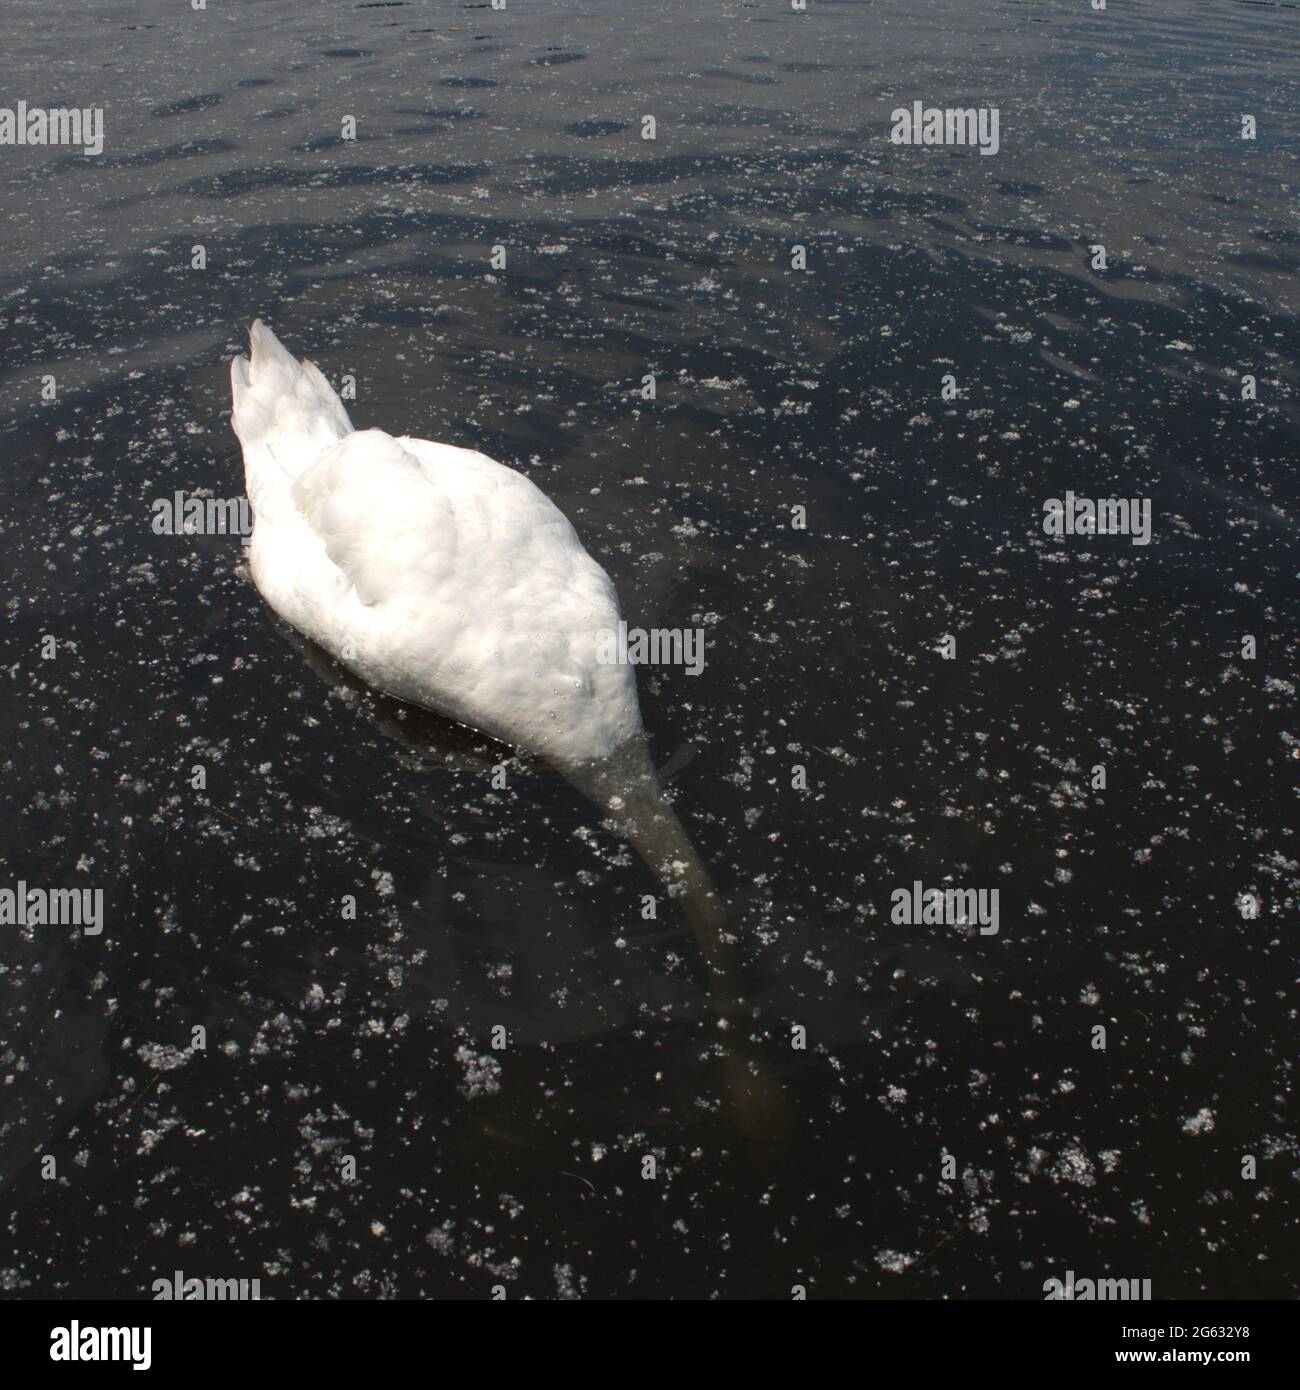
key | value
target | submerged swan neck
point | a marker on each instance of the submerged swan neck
(626, 787)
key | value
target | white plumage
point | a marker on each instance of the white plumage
(436, 574)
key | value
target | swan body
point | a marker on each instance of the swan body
(434, 573)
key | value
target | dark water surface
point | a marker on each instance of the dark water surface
(777, 388)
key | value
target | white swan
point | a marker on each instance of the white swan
(448, 580)
(434, 573)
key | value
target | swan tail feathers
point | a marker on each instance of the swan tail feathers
(282, 404)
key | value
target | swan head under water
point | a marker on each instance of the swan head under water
(447, 580)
